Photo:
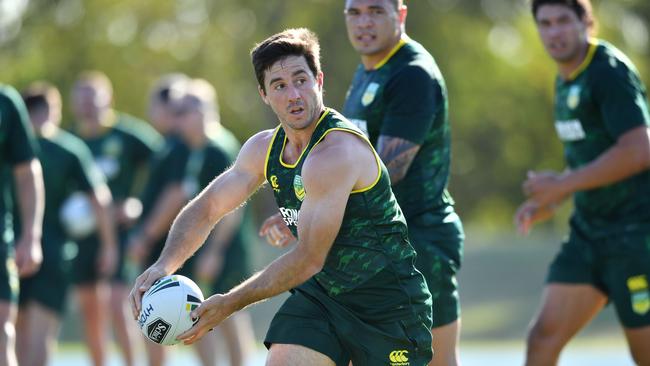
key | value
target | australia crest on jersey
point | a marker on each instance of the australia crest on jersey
(640, 295)
(369, 94)
(299, 188)
(573, 98)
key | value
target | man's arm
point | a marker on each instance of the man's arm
(101, 199)
(398, 154)
(629, 156)
(28, 177)
(329, 175)
(195, 221)
(157, 223)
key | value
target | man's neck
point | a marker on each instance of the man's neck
(567, 68)
(299, 139)
(97, 128)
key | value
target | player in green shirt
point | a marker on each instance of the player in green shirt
(602, 118)
(122, 147)
(398, 98)
(18, 161)
(356, 295)
(67, 167)
(162, 197)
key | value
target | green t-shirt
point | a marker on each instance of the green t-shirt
(67, 167)
(17, 145)
(121, 151)
(602, 100)
(406, 97)
(370, 267)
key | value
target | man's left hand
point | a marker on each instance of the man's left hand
(211, 313)
(546, 188)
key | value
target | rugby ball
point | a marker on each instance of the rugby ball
(166, 308)
(77, 216)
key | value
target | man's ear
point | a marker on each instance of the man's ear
(320, 79)
(262, 94)
(403, 11)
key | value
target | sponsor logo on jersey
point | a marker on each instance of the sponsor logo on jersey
(290, 216)
(399, 358)
(369, 94)
(570, 130)
(362, 125)
(157, 330)
(573, 99)
(298, 187)
(640, 295)
(274, 183)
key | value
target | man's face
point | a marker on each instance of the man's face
(562, 32)
(90, 102)
(292, 91)
(373, 25)
(188, 118)
(161, 117)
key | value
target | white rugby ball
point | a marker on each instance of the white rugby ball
(166, 308)
(77, 216)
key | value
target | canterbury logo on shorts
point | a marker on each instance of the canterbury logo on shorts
(399, 358)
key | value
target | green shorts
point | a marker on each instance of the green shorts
(49, 286)
(85, 270)
(438, 242)
(324, 325)
(9, 282)
(619, 266)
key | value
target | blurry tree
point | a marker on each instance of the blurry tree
(499, 78)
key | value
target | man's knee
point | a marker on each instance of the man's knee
(544, 335)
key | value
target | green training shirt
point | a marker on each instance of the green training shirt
(17, 145)
(120, 152)
(370, 267)
(405, 96)
(67, 167)
(599, 102)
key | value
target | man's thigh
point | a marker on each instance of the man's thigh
(439, 254)
(296, 355)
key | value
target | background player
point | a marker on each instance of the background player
(18, 161)
(122, 146)
(67, 167)
(602, 118)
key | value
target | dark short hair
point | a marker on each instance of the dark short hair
(581, 8)
(40, 96)
(291, 42)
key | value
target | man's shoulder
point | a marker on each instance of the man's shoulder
(68, 143)
(609, 60)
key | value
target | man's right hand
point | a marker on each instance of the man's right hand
(529, 214)
(142, 284)
(276, 231)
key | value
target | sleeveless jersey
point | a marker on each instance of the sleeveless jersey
(370, 267)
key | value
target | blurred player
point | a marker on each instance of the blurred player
(355, 294)
(224, 261)
(67, 167)
(162, 196)
(18, 161)
(121, 147)
(602, 118)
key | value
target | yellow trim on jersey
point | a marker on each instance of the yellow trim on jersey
(591, 51)
(268, 151)
(284, 143)
(364, 138)
(390, 54)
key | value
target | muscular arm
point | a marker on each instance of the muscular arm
(31, 196)
(630, 155)
(329, 175)
(398, 154)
